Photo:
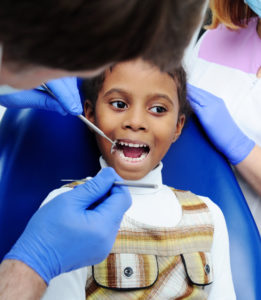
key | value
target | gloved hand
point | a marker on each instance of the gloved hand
(64, 235)
(219, 125)
(65, 89)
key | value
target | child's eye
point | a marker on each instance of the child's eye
(119, 104)
(158, 109)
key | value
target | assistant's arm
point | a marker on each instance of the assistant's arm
(250, 168)
(68, 233)
(228, 138)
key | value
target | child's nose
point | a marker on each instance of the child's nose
(135, 121)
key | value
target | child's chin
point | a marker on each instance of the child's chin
(130, 174)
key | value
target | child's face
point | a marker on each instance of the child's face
(137, 106)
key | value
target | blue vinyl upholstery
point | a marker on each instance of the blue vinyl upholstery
(39, 148)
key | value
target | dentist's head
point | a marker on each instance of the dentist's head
(83, 36)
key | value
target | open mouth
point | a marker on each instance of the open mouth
(132, 152)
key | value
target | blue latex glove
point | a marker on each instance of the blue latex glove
(65, 89)
(219, 125)
(64, 235)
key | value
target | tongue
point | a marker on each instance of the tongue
(133, 152)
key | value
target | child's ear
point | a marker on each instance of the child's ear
(179, 127)
(89, 110)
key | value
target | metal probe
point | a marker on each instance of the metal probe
(120, 183)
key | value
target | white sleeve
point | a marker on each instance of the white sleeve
(222, 286)
(55, 193)
(67, 286)
(191, 62)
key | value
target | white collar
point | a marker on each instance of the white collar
(153, 176)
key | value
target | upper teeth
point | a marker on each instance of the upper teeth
(132, 145)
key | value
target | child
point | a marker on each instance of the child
(171, 244)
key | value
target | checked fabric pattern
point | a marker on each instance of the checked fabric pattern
(149, 262)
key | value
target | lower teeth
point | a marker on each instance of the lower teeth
(143, 155)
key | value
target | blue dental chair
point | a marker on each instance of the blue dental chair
(38, 149)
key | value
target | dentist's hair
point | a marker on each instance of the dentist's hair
(87, 34)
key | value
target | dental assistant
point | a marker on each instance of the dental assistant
(225, 72)
(67, 39)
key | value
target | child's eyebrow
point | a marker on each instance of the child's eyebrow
(115, 90)
(164, 96)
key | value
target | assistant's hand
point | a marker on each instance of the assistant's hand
(219, 125)
(64, 235)
(65, 89)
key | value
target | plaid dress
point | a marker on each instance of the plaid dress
(149, 262)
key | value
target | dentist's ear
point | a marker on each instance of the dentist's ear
(89, 110)
(179, 127)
